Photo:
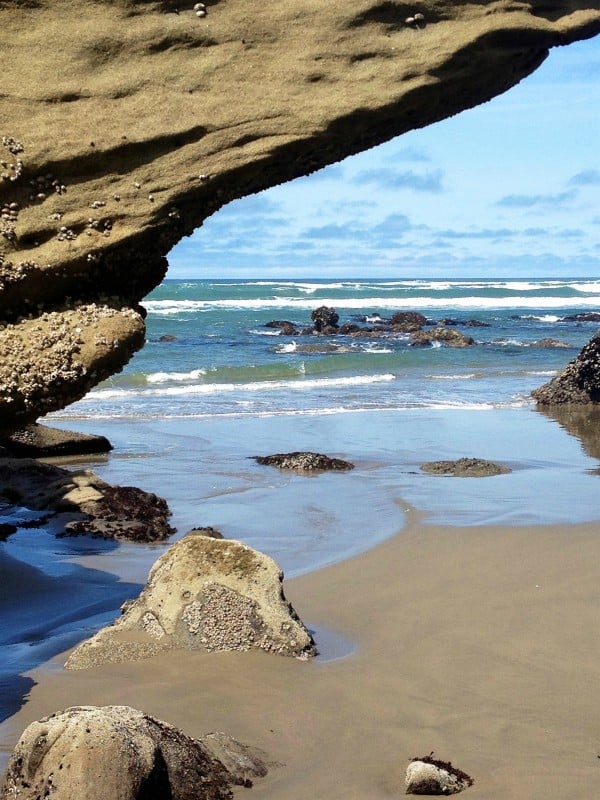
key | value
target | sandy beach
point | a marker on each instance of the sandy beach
(460, 618)
(477, 643)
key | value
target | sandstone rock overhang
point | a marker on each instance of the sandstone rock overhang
(126, 123)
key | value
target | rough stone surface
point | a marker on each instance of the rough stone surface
(41, 441)
(465, 468)
(446, 336)
(134, 123)
(119, 753)
(578, 383)
(304, 462)
(115, 512)
(428, 776)
(203, 594)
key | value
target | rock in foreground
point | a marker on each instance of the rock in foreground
(579, 383)
(428, 776)
(110, 512)
(304, 462)
(119, 753)
(465, 468)
(203, 594)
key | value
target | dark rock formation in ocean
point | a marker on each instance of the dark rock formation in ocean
(304, 461)
(97, 752)
(121, 135)
(203, 594)
(98, 508)
(325, 319)
(578, 383)
(465, 468)
(446, 336)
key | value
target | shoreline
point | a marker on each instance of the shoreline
(471, 642)
(468, 631)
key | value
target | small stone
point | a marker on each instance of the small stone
(201, 13)
(428, 776)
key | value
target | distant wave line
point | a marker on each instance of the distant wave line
(171, 307)
(256, 386)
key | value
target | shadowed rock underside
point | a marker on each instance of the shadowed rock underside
(126, 123)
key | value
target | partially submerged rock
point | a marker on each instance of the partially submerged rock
(304, 461)
(120, 753)
(110, 512)
(578, 383)
(447, 336)
(465, 468)
(429, 776)
(203, 594)
(325, 319)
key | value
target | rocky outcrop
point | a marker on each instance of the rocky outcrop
(449, 337)
(429, 776)
(325, 319)
(148, 118)
(304, 462)
(100, 509)
(465, 468)
(578, 383)
(203, 594)
(118, 752)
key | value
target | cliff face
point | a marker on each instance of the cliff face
(125, 123)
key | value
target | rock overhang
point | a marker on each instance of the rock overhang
(137, 120)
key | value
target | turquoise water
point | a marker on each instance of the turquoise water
(221, 359)
(187, 415)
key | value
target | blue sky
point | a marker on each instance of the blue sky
(511, 188)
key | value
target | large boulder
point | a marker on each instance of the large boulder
(119, 753)
(578, 383)
(203, 594)
(42, 441)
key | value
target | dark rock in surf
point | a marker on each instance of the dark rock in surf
(447, 336)
(167, 337)
(304, 462)
(578, 383)
(465, 468)
(325, 319)
(407, 321)
(584, 316)
(285, 327)
(462, 323)
(549, 343)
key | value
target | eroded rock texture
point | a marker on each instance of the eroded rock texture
(578, 383)
(125, 123)
(118, 752)
(203, 594)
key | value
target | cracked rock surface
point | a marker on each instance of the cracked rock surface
(137, 119)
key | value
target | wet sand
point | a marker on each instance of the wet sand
(478, 643)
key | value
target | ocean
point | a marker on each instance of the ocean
(214, 386)
(220, 359)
